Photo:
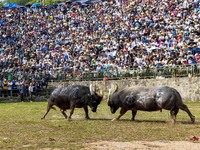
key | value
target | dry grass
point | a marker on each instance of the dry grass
(21, 127)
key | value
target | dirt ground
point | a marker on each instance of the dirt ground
(143, 145)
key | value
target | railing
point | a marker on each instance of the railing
(16, 92)
(145, 73)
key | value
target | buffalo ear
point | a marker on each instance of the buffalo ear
(101, 97)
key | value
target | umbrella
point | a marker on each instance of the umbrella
(7, 5)
(14, 5)
(61, 3)
(36, 5)
(10, 5)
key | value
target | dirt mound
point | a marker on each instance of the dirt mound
(143, 145)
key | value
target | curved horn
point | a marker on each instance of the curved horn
(109, 94)
(109, 91)
(101, 93)
(91, 90)
(116, 88)
(95, 87)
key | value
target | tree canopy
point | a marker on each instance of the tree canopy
(25, 2)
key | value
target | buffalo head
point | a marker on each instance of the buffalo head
(113, 107)
(94, 99)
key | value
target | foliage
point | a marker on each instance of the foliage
(21, 127)
(25, 2)
(1, 4)
(19, 2)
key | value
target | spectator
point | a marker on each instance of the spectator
(31, 91)
(21, 92)
(9, 88)
(44, 83)
(37, 87)
(14, 88)
(1, 89)
(5, 87)
(46, 41)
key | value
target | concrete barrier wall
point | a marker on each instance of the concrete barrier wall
(188, 87)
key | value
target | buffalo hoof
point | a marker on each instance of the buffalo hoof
(132, 119)
(42, 118)
(173, 121)
(69, 119)
(193, 119)
(87, 118)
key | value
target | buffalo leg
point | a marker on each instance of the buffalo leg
(173, 113)
(185, 108)
(71, 112)
(48, 109)
(133, 115)
(64, 114)
(122, 112)
(86, 112)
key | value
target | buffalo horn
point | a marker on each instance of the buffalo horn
(95, 88)
(109, 94)
(91, 90)
(101, 92)
(114, 90)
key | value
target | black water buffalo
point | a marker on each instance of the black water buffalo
(74, 96)
(147, 99)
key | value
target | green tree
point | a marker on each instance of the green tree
(20, 2)
(25, 2)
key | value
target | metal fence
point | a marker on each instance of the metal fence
(145, 73)
(110, 74)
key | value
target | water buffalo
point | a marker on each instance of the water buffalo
(147, 99)
(74, 96)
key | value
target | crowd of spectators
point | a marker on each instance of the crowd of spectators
(101, 36)
(22, 88)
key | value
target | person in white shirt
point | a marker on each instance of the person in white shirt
(30, 90)
(9, 88)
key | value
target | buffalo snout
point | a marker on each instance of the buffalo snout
(113, 110)
(94, 109)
